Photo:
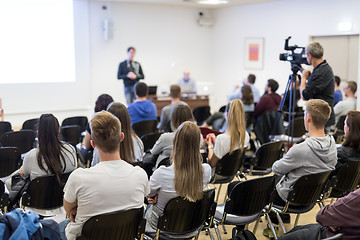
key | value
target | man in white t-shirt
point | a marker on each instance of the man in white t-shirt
(111, 185)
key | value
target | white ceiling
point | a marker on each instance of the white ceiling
(189, 3)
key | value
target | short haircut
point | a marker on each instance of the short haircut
(337, 80)
(175, 91)
(315, 49)
(319, 111)
(106, 132)
(141, 89)
(353, 86)
(130, 48)
(273, 85)
(251, 78)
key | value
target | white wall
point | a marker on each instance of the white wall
(167, 40)
(273, 21)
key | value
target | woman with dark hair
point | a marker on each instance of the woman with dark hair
(186, 177)
(247, 98)
(350, 149)
(52, 156)
(131, 148)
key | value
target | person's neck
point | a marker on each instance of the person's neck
(130, 60)
(350, 95)
(175, 100)
(104, 157)
(140, 99)
(315, 132)
(317, 61)
(337, 88)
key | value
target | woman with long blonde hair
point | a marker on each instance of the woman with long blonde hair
(186, 177)
(235, 136)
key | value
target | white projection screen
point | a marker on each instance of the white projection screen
(39, 55)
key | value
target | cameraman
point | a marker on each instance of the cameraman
(321, 82)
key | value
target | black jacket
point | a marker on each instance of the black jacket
(124, 70)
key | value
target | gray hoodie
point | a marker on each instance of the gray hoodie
(314, 155)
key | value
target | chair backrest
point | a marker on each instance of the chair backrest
(10, 158)
(308, 188)
(5, 127)
(249, 118)
(144, 127)
(201, 114)
(299, 128)
(149, 140)
(250, 197)
(71, 134)
(347, 177)
(230, 164)
(125, 225)
(45, 192)
(81, 121)
(267, 154)
(268, 123)
(30, 124)
(182, 216)
(340, 124)
(23, 140)
(4, 197)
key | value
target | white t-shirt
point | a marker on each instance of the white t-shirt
(107, 187)
(222, 144)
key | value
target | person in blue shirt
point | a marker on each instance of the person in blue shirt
(142, 109)
(337, 94)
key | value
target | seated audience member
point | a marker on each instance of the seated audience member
(175, 93)
(112, 185)
(164, 145)
(337, 93)
(142, 109)
(251, 81)
(269, 101)
(234, 137)
(316, 154)
(186, 177)
(187, 84)
(343, 216)
(101, 104)
(51, 157)
(131, 148)
(343, 107)
(350, 149)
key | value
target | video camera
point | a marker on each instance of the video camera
(295, 58)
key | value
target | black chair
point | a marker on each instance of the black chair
(45, 192)
(23, 140)
(81, 121)
(347, 179)
(149, 140)
(201, 114)
(183, 219)
(31, 124)
(265, 156)
(10, 158)
(227, 168)
(71, 134)
(298, 132)
(306, 192)
(5, 127)
(246, 203)
(268, 124)
(125, 225)
(4, 198)
(339, 129)
(145, 127)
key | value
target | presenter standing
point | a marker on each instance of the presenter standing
(131, 72)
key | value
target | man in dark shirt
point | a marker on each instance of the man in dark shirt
(321, 82)
(269, 101)
(131, 72)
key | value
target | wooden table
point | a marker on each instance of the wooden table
(192, 101)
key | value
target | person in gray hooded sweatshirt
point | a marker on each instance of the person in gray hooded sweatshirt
(316, 154)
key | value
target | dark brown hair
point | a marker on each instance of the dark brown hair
(352, 139)
(247, 95)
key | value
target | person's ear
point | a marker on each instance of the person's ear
(92, 143)
(122, 137)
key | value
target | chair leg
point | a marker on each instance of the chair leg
(218, 193)
(271, 226)
(210, 234)
(280, 222)
(217, 231)
(256, 225)
(297, 220)
(224, 228)
(157, 234)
